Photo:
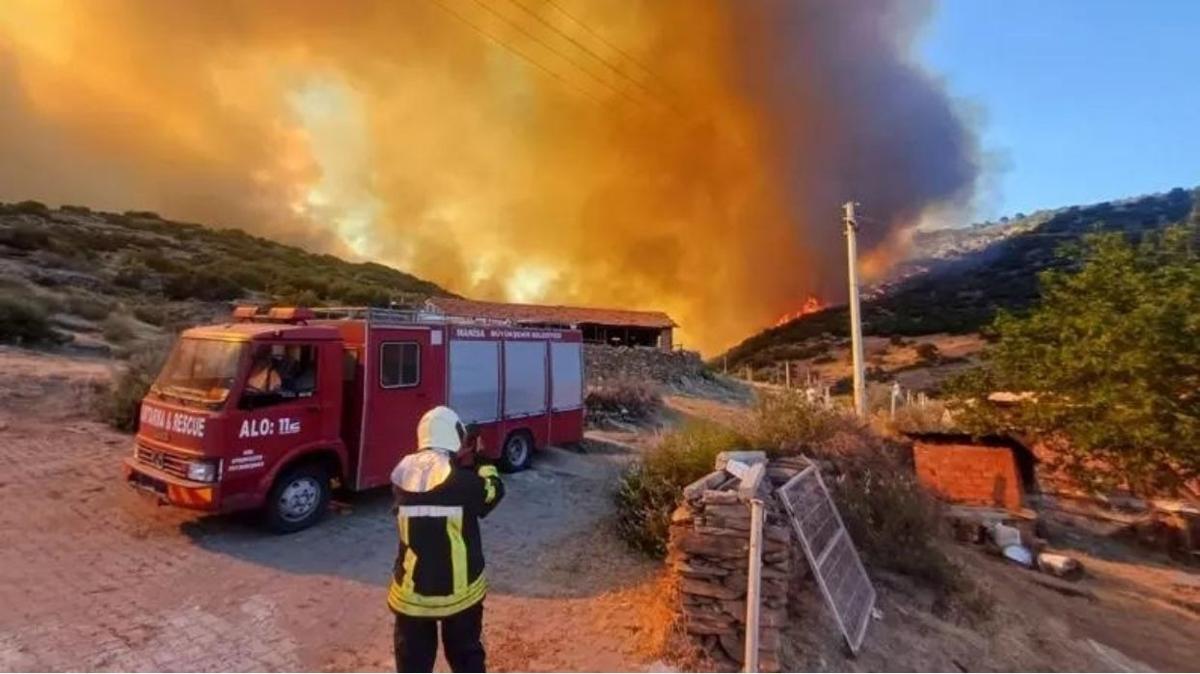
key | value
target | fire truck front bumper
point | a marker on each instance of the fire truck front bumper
(170, 489)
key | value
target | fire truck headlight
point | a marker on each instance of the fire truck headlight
(202, 471)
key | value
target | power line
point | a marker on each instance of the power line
(585, 49)
(551, 49)
(524, 57)
(608, 44)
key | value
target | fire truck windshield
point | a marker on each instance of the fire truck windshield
(200, 371)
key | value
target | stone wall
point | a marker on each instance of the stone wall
(640, 363)
(709, 549)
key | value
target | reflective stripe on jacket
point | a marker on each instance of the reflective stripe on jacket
(439, 565)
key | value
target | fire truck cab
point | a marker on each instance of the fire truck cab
(272, 410)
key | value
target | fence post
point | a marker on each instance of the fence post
(754, 585)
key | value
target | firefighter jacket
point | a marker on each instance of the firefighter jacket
(439, 566)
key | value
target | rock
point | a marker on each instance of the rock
(697, 569)
(747, 457)
(1062, 566)
(714, 497)
(707, 589)
(705, 484)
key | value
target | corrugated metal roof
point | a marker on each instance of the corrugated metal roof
(549, 314)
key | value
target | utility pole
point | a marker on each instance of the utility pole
(856, 346)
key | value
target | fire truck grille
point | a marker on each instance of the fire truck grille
(164, 461)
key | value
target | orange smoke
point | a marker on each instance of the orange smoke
(682, 155)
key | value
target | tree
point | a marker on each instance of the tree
(1108, 360)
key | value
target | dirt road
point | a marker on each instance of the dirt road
(93, 576)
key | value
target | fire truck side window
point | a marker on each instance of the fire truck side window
(280, 372)
(399, 364)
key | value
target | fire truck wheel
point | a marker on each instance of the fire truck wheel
(298, 499)
(517, 453)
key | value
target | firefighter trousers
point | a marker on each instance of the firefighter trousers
(416, 641)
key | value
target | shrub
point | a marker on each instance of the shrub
(23, 321)
(89, 306)
(30, 207)
(650, 489)
(150, 313)
(145, 215)
(120, 405)
(786, 423)
(625, 399)
(132, 274)
(118, 329)
(200, 286)
(25, 237)
(928, 352)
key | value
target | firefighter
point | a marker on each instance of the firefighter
(438, 576)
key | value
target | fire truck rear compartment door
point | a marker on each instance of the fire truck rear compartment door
(524, 378)
(475, 380)
(566, 372)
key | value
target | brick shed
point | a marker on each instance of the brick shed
(986, 471)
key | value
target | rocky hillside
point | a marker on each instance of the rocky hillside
(958, 279)
(108, 281)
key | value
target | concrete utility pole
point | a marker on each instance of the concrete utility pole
(856, 346)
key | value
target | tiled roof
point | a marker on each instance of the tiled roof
(547, 314)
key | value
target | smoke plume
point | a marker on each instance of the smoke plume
(683, 155)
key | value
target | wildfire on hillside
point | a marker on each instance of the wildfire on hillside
(811, 306)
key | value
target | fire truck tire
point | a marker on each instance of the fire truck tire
(517, 452)
(299, 497)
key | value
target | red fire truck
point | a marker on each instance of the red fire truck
(272, 410)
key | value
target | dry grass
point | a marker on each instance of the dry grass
(623, 399)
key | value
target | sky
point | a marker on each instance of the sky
(1077, 101)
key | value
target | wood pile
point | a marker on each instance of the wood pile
(709, 549)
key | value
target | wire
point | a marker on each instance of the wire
(551, 49)
(585, 49)
(524, 57)
(608, 44)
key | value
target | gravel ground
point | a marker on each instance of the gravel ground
(95, 577)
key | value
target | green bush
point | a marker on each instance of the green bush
(786, 423)
(23, 320)
(651, 488)
(120, 405)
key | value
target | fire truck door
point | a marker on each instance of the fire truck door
(280, 407)
(407, 380)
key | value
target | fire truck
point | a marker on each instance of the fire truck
(274, 409)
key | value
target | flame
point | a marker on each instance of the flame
(692, 159)
(811, 306)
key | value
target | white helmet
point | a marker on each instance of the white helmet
(441, 428)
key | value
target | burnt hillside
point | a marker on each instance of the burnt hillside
(960, 292)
